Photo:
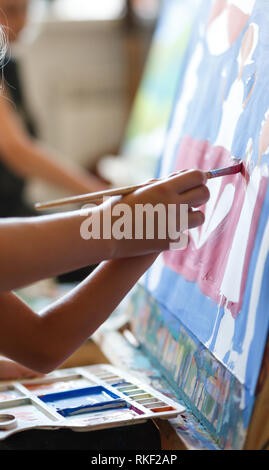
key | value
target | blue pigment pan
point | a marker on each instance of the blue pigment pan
(84, 400)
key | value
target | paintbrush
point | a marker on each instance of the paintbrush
(229, 170)
(91, 197)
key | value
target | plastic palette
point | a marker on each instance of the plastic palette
(82, 399)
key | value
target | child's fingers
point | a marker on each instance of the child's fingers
(195, 197)
(24, 372)
(186, 181)
(177, 173)
(174, 173)
(10, 370)
(195, 219)
(152, 181)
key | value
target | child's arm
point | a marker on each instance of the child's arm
(41, 247)
(44, 342)
(29, 159)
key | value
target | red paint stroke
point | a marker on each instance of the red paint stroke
(245, 173)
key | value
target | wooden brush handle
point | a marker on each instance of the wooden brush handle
(90, 197)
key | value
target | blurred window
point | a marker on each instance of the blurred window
(89, 10)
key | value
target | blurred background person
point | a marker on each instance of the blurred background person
(22, 156)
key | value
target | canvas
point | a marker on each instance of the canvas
(213, 296)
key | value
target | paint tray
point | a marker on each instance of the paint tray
(81, 399)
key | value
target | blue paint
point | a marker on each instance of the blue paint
(214, 339)
(84, 400)
(120, 384)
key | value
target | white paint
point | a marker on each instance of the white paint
(231, 283)
(191, 83)
(261, 151)
(248, 59)
(217, 34)
(214, 214)
(240, 361)
(155, 274)
(249, 154)
(222, 209)
(225, 335)
(232, 108)
(214, 187)
(234, 104)
(242, 405)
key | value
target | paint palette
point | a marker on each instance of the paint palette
(81, 399)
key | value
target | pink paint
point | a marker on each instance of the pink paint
(237, 20)
(225, 24)
(216, 10)
(136, 410)
(205, 259)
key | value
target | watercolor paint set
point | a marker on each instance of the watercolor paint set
(81, 399)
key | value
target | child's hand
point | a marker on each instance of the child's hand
(188, 187)
(10, 370)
